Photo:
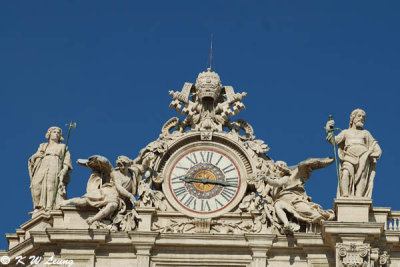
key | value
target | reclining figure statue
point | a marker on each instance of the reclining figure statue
(109, 189)
(289, 196)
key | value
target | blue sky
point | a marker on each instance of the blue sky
(109, 67)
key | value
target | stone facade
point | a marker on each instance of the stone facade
(205, 193)
(355, 241)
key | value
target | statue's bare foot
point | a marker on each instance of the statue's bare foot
(294, 226)
(290, 228)
(345, 193)
(36, 212)
(90, 221)
(64, 202)
(286, 229)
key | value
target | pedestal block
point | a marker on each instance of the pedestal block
(352, 210)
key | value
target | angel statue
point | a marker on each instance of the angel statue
(112, 190)
(289, 195)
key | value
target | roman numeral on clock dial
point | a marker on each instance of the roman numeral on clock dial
(234, 181)
(177, 179)
(228, 168)
(192, 158)
(228, 193)
(206, 156)
(205, 206)
(190, 200)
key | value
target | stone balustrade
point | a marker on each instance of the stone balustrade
(393, 221)
(313, 228)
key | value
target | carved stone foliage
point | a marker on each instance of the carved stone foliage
(353, 255)
(228, 227)
(197, 225)
(148, 197)
(175, 226)
(120, 222)
(149, 191)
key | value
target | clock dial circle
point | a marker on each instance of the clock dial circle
(204, 181)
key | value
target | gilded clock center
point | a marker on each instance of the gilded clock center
(208, 175)
(204, 174)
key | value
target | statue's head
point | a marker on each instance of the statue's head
(282, 167)
(208, 85)
(357, 118)
(123, 161)
(54, 133)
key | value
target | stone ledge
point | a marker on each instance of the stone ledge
(308, 239)
(196, 239)
(392, 237)
(353, 201)
(143, 238)
(355, 228)
(260, 240)
(80, 235)
(40, 217)
(40, 237)
(21, 248)
(12, 240)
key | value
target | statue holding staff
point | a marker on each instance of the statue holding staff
(45, 166)
(358, 152)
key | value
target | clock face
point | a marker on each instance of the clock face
(204, 182)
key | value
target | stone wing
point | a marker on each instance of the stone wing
(97, 163)
(101, 169)
(307, 166)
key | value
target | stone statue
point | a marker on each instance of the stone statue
(358, 152)
(289, 195)
(43, 170)
(108, 189)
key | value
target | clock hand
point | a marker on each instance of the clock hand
(199, 180)
(206, 181)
